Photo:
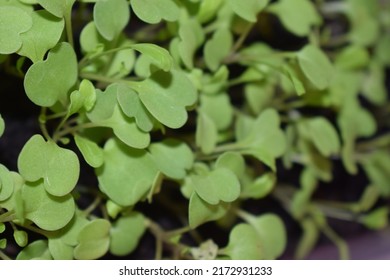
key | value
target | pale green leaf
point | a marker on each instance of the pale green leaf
(6, 183)
(258, 95)
(166, 96)
(177, 153)
(58, 167)
(127, 130)
(153, 11)
(45, 33)
(43, 208)
(218, 185)
(94, 240)
(127, 174)
(200, 212)
(37, 250)
(316, 66)
(297, 16)
(217, 48)
(232, 161)
(323, 135)
(59, 8)
(105, 104)
(11, 29)
(91, 152)
(47, 82)
(308, 239)
(260, 187)
(244, 243)
(111, 17)
(206, 133)
(132, 107)
(218, 108)
(59, 250)
(208, 9)
(126, 233)
(191, 37)
(352, 58)
(21, 238)
(248, 9)
(84, 97)
(159, 56)
(272, 233)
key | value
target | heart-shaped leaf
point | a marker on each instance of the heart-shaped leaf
(126, 233)
(200, 212)
(59, 8)
(58, 167)
(260, 187)
(244, 243)
(177, 153)
(220, 184)
(11, 29)
(59, 250)
(272, 232)
(127, 173)
(218, 47)
(43, 208)
(166, 96)
(232, 161)
(94, 240)
(153, 11)
(111, 17)
(263, 137)
(45, 33)
(47, 82)
(218, 108)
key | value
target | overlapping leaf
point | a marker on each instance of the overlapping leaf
(49, 81)
(127, 174)
(11, 29)
(58, 167)
(111, 17)
(153, 11)
(44, 34)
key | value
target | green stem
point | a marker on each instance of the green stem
(238, 44)
(74, 129)
(158, 232)
(341, 245)
(178, 231)
(7, 216)
(92, 207)
(42, 123)
(102, 78)
(68, 27)
(3, 256)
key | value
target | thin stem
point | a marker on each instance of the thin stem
(341, 245)
(158, 233)
(3, 256)
(42, 123)
(93, 206)
(7, 216)
(178, 231)
(68, 27)
(74, 129)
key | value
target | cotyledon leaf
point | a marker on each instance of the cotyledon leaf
(126, 232)
(158, 55)
(153, 11)
(59, 8)
(43, 208)
(127, 174)
(45, 33)
(316, 66)
(111, 17)
(176, 153)
(58, 167)
(91, 152)
(218, 185)
(49, 81)
(248, 9)
(11, 29)
(166, 96)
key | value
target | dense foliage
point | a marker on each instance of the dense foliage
(187, 107)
